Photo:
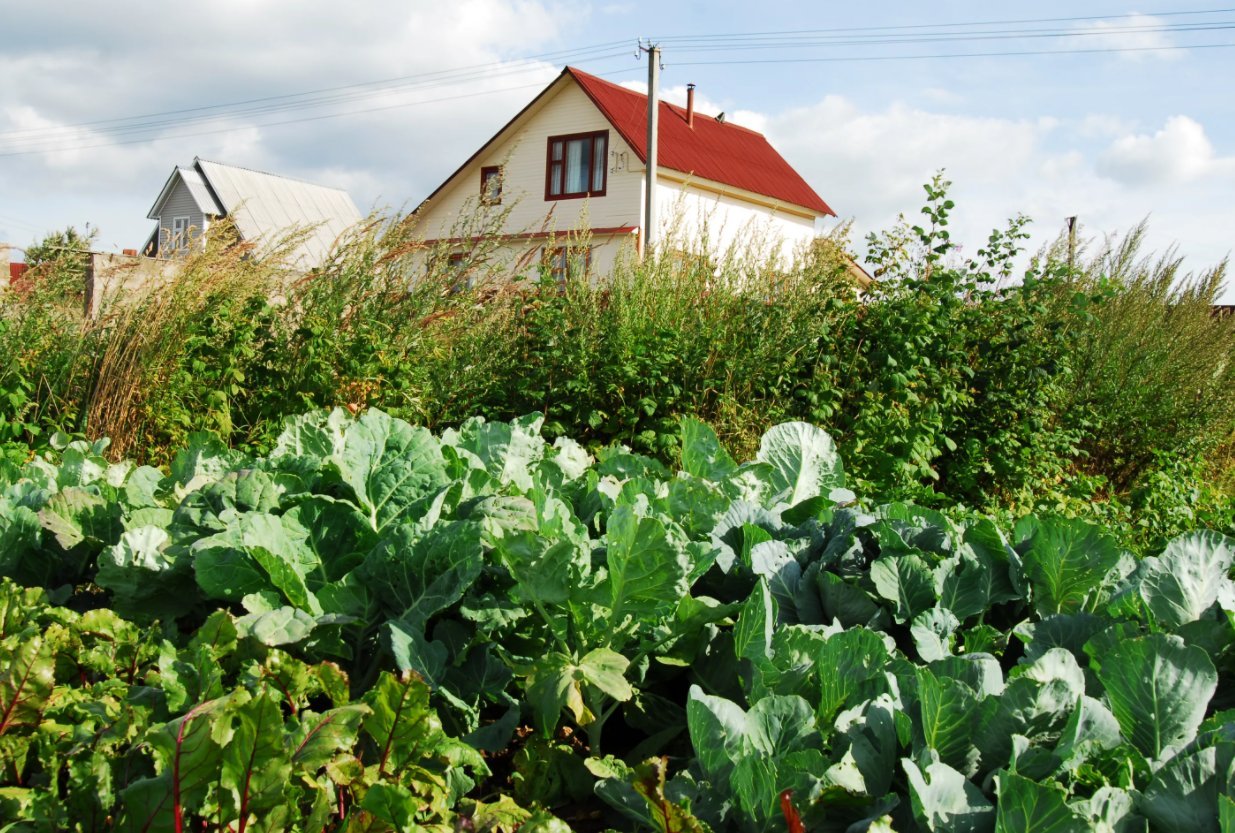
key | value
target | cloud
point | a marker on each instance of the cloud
(870, 164)
(391, 146)
(1180, 152)
(1141, 34)
(703, 106)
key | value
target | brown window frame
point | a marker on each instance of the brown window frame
(549, 163)
(558, 261)
(485, 173)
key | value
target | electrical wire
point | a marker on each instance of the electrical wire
(304, 120)
(315, 98)
(798, 42)
(156, 126)
(1192, 12)
(1005, 54)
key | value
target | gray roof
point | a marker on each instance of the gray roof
(266, 207)
(192, 180)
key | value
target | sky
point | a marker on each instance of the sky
(1107, 111)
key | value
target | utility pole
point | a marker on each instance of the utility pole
(649, 201)
(1071, 245)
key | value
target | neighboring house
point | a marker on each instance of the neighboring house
(576, 157)
(264, 207)
(14, 271)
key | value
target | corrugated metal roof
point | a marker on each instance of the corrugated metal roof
(719, 151)
(201, 193)
(206, 203)
(265, 207)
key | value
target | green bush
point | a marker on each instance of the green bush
(949, 380)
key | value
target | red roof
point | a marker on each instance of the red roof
(719, 151)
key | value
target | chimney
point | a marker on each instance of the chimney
(690, 106)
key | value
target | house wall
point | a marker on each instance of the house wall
(523, 157)
(180, 203)
(687, 211)
(693, 215)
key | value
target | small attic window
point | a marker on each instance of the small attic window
(491, 185)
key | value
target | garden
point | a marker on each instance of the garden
(701, 548)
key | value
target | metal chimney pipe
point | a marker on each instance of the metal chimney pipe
(690, 106)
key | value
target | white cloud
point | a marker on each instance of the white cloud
(870, 164)
(1180, 152)
(392, 148)
(703, 105)
(1141, 34)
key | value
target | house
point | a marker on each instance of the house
(14, 271)
(264, 207)
(575, 157)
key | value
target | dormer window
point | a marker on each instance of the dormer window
(577, 165)
(491, 185)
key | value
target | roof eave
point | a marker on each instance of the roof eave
(153, 214)
(552, 85)
(629, 139)
(822, 209)
(737, 192)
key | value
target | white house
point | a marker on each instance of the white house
(264, 207)
(575, 157)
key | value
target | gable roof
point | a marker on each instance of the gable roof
(719, 151)
(267, 206)
(198, 190)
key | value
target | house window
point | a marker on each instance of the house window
(460, 275)
(561, 263)
(491, 185)
(180, 234)
(577, 165)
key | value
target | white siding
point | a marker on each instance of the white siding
(691, 214)
(706, 215)
(523, 157)
(179, 203)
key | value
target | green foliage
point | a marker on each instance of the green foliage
(956, 372)
(1099, 391)
(98, 733)
(377, 627)
(1152, 362)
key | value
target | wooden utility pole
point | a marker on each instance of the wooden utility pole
(649, 201)
(1071, 244)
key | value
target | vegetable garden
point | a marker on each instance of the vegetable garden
(375, 628)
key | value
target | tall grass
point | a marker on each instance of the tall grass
(945, 383)
(1152, 363)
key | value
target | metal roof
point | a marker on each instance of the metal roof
(715, 150)
(198, 189)
(265, 207)
(718, 151)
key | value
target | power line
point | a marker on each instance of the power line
(1077, 19)
(284, 122)
(430, 79)
(53, 138)
(739, 42)
(844, 58)
(147, 127)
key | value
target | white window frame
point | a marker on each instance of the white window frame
(180, 233)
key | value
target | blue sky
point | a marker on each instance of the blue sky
(1128, 117)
